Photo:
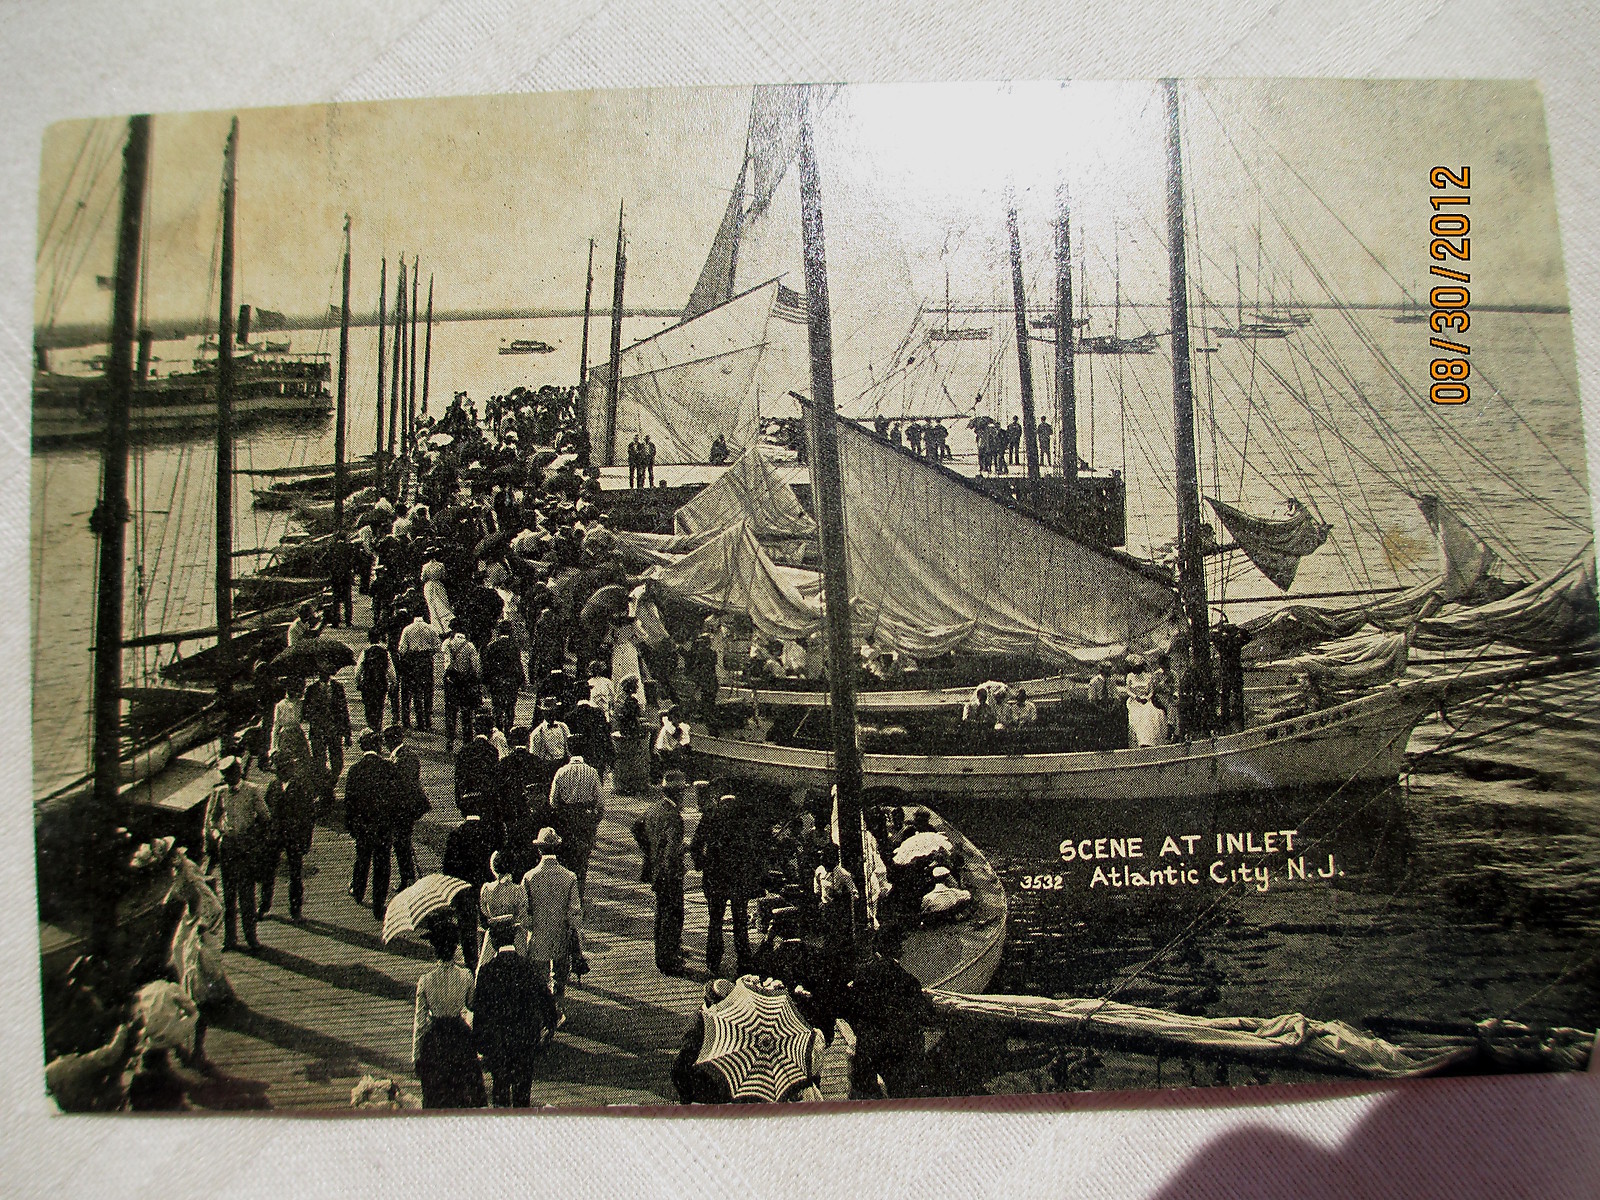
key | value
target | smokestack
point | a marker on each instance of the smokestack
(244, 325)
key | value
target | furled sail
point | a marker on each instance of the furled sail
(1464, 562)
(749, 490)
(1364, 661)
(708, 376)
(1556, 615)
(1274, 546)
(944, 567)
(732, 573)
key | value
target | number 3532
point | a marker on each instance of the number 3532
(1041, 883)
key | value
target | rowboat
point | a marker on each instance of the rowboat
(962, 956)
(1359, 740)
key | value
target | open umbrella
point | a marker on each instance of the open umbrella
(607, 604)
(309, 656)
(758, 1043)
(440, 439)
(411, 906)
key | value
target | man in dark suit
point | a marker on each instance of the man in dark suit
(292, 801)
(508, 1016)
(478, 772)
(729, 850)
(371, 790)
(326, 713)
(411, 801)
(663, 842)
(466, 856)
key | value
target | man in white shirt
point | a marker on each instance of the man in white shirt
(577, 808)
(419, 643)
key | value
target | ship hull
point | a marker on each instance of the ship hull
(1361, 740)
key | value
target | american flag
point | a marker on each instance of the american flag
(790, 306)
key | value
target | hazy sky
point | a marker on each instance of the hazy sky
(500, 195)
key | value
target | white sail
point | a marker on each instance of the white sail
(749, 490)
(716, 374)
(944, 567)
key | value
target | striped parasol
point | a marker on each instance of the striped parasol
(758, 1043)
(411, 906)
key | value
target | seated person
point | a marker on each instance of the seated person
(1017, 711)
(943, 898)
(983, 707)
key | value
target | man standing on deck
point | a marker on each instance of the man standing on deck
(1014, 442)
(663, 846)
(635, 463)
(370, 790)
(577, 809)
(649, 453)
(341, 569)
(419, 642)
(237, 816)
(1043, 431)
(1230, 641)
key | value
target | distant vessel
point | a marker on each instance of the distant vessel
(526, 346)
(1412, 314)
(269, 385)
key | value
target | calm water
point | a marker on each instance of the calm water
(1469, 891)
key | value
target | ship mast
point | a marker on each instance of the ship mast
(383, 324)
(613, 383)
(397, 375)
(339, 400)
(408, 431)
(224, 598)
(1030, 434)
(1198, 698)
(828, 490)
(427, 346)
(1066, 388)
(108, 522)
(588, 296)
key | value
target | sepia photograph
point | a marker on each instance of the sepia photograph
(806, 593)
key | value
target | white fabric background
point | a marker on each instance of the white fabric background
(1464, 1138)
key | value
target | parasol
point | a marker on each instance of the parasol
(758, 1043)
(441, 439)
(310, 655)
(607, 604)
(411, 906)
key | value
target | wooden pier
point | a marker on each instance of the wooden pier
(326, 1002)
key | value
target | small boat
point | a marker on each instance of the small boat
(526, 346)
(1106, 343)
(1284, 316)
(1041, 691)
(1251, 331)
(957, 334)
(961, 956)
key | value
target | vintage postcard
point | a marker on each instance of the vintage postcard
(749, 595)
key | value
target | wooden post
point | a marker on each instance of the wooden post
(427, 347)
(1199, 697)
(1066, 339)
(583, 353)
(339, 391)
(614, 383)
(224, 596)
(109, 524)
(383, 328)
(1030, 432)
(828, 491)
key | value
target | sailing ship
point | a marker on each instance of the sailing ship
(945, 569)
